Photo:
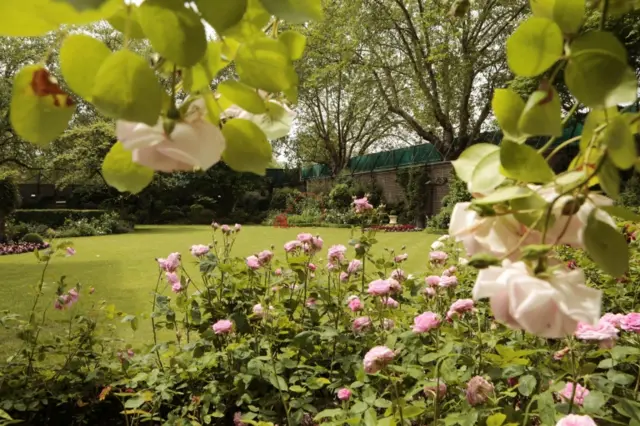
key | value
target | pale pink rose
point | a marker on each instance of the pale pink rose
(631, 322)
(377, 358)
(292, 246)
(361, 324)
(362, 205)
(444, 237)
(430, 291)
(388, 324)
(425, 322)
(258, 310)
(73, 295)
(432, 280)
(310, 303)
(223, 327)
(398, 275)
(312, 267)
(394, 286)
(331, 267)
(354, 266)
(478, 390)
(581, 393)
(253, 262)
(344, 277)
(199, 250)
(71, 251)
(438, 256)
(561, 353)
(446, 273)
(62, 302)
(278, 272)
(459, 307)
(390, 302)
(576, 420)
(452, 270)
(613, 319)
(176, 287)
(215, 225)
(401, 258)
(265, 256)
(275, 124)
(355, 304)
(172, 277)
(344, 394)
(434, 391)
(603, 332)
(225, 229)
(237, 227)
(171, 263)
(194, 143)
(379, 288)
(336, 253)
(305, 237)
(550, 309)
(446, 282)
(317, 243)
(437, 245)
(237, 419)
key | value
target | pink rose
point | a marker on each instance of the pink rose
(452, 270)
(379, 288)
(344, 277)
(265, 256)
(292, 246)
(223, 327)
(310, 303)
(430, 291)
(613, 319)
(258, 310)
(355, 304)
(561, 353)
(446, 282)
(388, 324)
(317, 243)
(171, 263)
(631, 322)
(398, 275)
(576, 420)
(362, 205)
(377, 358)
(394, 286)
(354, 266)
(73, 295)
(71, 251)
(361, 324)
(459, 307)
(172, 277)
(278, 272)
(305, 237)
(390, 302)
(438, 256)
(253, 262)
(434, 391)
(336, 253)
(176, 287)
(237, 227)
(603, 332)
(478, 390)
(425, 322)
(215, 225)
(199, 250)
(331, 267)
(344, 394)
(432, 280)
(225, 229)
(401, 258)
(581, 393)
(312, 267)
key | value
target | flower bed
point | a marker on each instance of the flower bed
(394, 228)
(20, 248)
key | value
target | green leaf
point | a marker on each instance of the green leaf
(598, 73)
(265, 64)
(606, 246)
(621, 212)
(119, 171)
(40, 111)
(174, 31)
(295, 43)
(502, 195)
(222, 14)
(80, 59)
(412, 411)
(359, 407)
(529, 210)
(595, 118)
(508, 107)
(534, 47)
(546, 408)
(609, 179)
(496, 419)
(569, 15)
(524, 163)
(135, 402)
(126, 88)
(593, 402)
(120, 18)
(252, 24)
(243, 96)
(527, 385)
(248, 149)
(82, 5)
(486, 175)
(212, 62)
(329, 413)
(542, 114)
(469, 159)
(620, 378)
(620, 143)
(297, 389)
(295, 11)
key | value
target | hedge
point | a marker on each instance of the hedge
(55, 218)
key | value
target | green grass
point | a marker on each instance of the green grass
(123, 271)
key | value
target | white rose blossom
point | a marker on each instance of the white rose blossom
(194, 142)
(548, 308)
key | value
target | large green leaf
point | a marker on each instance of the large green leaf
(502, 195)
(620, 143)
(82, 5)
(569, 14)
(126, 88)
(40, 110)
(252, 24)
(174, 31)
(469, 159)
(527, 384)
(265, 64)
(295, 43)
(119, 22)
(119, 171)
(486, 175)
(222, 14)
(295, 11)
(242, 95)
(524, 163)
(248, 149)
(595, 118)
(534, 46)
(508, 107)
(606, 246)
(542, 114)
(609, 179)
(80, 59)
(621, 212)
(598, 73)
(204, 73)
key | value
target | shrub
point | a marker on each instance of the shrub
(282, 197)
(33, 238)
(9, 201)
(340, 197)
(55, 218)
(458, 193)
(171, 214)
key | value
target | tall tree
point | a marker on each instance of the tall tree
(437, 71)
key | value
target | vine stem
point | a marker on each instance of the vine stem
(275, 374)
(399, 404)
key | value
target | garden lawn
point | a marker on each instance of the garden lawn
(123, 271)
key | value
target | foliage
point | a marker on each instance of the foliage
(56, 218)
(630, 194)
(9, 201)
(458, 193)
(414, 182)
(32, 238)
(105, 224)
(282, 198)
(340, 197)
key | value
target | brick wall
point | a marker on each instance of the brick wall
(392, 191)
